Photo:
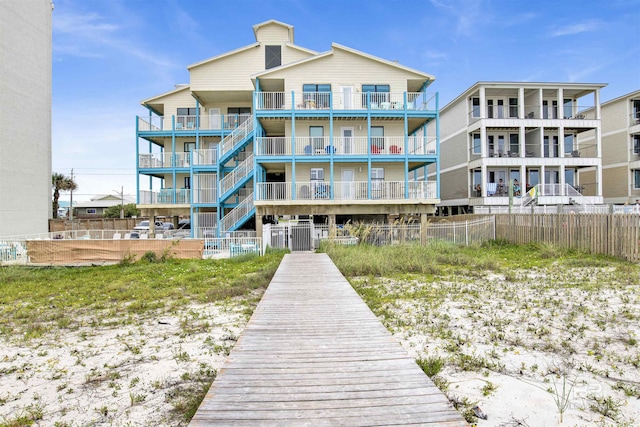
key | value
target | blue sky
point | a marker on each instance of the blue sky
(108, 55)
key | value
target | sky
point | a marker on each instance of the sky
(108, 55)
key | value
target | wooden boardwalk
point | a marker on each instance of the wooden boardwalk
(314, 354)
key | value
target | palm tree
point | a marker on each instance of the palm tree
(60, 182)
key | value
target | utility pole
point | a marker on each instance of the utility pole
(122, 202)
(71, 202)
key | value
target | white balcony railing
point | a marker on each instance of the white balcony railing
(398, 101)
(164, 160)
(240, 172)
(204, 157)
(188, 123)
(346, 191)
(346, 146)
(232, 218)
(166, 196)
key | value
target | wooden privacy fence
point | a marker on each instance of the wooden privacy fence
(616, 234)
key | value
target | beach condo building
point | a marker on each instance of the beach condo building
(498, 136)
(621, 159)
(273, 130)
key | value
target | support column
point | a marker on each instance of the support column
(332, 226)
(259, 227)
(424, 223)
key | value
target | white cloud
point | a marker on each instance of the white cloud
(581, 27)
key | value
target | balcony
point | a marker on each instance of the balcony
(367, 101)
(342, 146)
(166, 196)
(164, 160)
(534, 112)
(203, 122)
(353, 191)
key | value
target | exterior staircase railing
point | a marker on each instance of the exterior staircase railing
(575, 197)
(238, 135)
(241, 171)
(236, 214)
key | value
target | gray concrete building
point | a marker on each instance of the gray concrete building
(25, 116)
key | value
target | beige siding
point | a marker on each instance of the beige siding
(172, 102)
(452, 120)
(344, 69)
(453, 184)
(615, 148)
(273, 34)
(453, 152)
(614, 116)
(615, 182)
(231, 73)
(392, 171)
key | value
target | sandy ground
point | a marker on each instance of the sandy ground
(507, 344)
(522, 347)
(124, 372)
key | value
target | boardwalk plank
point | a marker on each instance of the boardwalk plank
(314, 354)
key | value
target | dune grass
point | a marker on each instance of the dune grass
(34, 301)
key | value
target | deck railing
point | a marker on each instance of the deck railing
(397, 101)
(239, 172)
(166, 196)
(230, 219)
(352, 190)
(186, 123)
(164, 160)
(204, 157)
(345, 146)
(230, 141)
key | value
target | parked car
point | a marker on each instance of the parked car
(184, 229)
(144, 226)
(167, 226)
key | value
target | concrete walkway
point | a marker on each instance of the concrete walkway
(314, 354)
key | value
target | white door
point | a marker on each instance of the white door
(347, 97)
(347, 140)
(214, 118)
(348, 184)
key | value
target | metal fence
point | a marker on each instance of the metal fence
(464, 232)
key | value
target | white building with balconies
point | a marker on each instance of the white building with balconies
(507, 145)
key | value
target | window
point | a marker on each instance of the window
(636, 110)
(569, 176)
(568, 108)
(500, 108)
(534, 178)
(377, 177)
(91, 210)
(490, 108)
(189, 147)
(513, 107)
(546, 114)
(491, 144)
(317, 174)
(568, 143)
(636, 144)
(377, 94)
(636, 179)
(475, 107)
(237, 116)
(551, 151)
(316, 134)
(187, 182)
(316, 95)
(477, 149)
(501, 150)
(186, 118)
(514, 144)
(272, 56)
(377, 139)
